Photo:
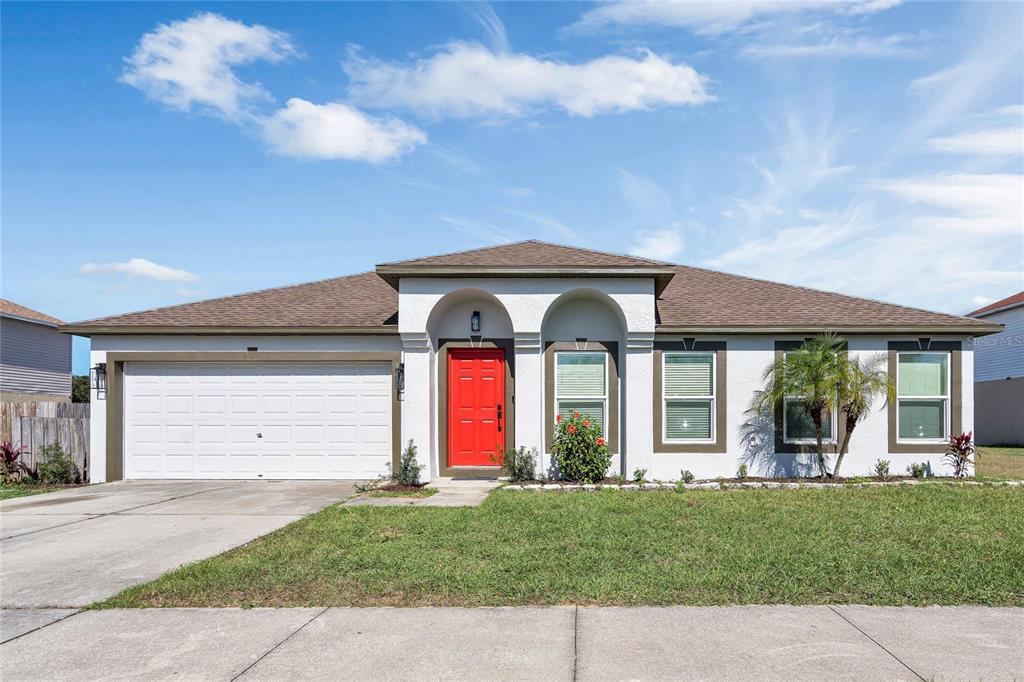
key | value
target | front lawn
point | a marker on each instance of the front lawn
(933, 543)
(22, 489)
(993, 462)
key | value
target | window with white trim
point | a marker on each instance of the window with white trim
(581, 385)
(797, 425)
(688, 397)
(922, 390)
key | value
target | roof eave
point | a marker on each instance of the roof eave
(995, 311)
(101, 329)
(972, 329)
(32, 320)
(661, 275)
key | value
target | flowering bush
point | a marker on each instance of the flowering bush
(579, 449)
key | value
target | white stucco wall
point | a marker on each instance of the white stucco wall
(747, 357)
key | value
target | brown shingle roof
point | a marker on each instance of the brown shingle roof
(705, 298)
(529, 254)
(12, 308)
(1008, 301)
(693, 299)
(363, 300)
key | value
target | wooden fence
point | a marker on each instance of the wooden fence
(35, 425)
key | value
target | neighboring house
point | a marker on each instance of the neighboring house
(999, 374)
(466, 352)
(35, 357)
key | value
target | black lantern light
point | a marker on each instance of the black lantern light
(400, 379)
(98, 377)
(474, 321)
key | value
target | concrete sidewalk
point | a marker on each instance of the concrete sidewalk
(558, 643)
(451, 492)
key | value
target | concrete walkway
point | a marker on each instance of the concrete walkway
(67, 549)
(559, 643)
(451, 492)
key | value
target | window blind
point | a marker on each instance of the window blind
(688, 419)
(580, 374)
(688, 375)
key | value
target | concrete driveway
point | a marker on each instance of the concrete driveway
(68, 549)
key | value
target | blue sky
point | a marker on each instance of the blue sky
(160, 153)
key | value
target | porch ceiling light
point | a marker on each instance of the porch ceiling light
(474, 321)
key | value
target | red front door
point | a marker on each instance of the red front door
(476, 410)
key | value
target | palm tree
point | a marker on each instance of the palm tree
(863, 380)
(814, 374)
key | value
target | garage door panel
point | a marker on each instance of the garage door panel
(201, 420)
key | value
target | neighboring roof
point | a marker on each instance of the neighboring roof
(12, 309)
(999, 306)
(698, 299)
(531, 254)
(692, 300)
(355, 302)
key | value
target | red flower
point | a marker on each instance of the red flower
(576, 415)
(600, 441)
(572, 429)
(586, 422)
(558, 418)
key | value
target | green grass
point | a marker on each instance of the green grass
(993, 462)
(422, 492)
(930, 544)
(22, 489)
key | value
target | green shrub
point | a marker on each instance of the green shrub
(742, 471)
(918, 469)
(882, 469)
(408, 470)
(56, 466)
(521, 464)
(579, 449)
(639, 475)
(686, 476)
(80, 389)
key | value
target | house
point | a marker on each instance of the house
(999, 374)
(466, 352)
(35, 357)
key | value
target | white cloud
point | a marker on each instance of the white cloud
(992, 204)
(467, 79)
(140, 267)
(482, 232)
(712, 18)
(491, 23)
(549, 224)
(839, 46)
(663, 244)
(517, 192)
(981, 301)
(992, 142)
(337, 131)
(189, 63)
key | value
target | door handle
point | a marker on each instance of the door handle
(259, 435)
(499, 416)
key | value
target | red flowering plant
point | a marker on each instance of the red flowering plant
(959, 451)
(579, 449)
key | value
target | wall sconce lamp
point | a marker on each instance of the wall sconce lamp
(400, 379)
(98, 377)
(474, 321)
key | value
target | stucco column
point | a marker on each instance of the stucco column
(638, 436)
(530, 394)
(417, 401)
(97, 426)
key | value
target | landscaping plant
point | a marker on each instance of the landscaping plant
(408, 470)
(917, 469)
(742, 471)
(521, 464)
(13, 467)
(959, 453)
(882, 469)
(813, 373)
(862, 380)
(579, 449)
(686, 476)
(639, 476)
(56, 466)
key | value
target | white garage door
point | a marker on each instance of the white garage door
(270, 421)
